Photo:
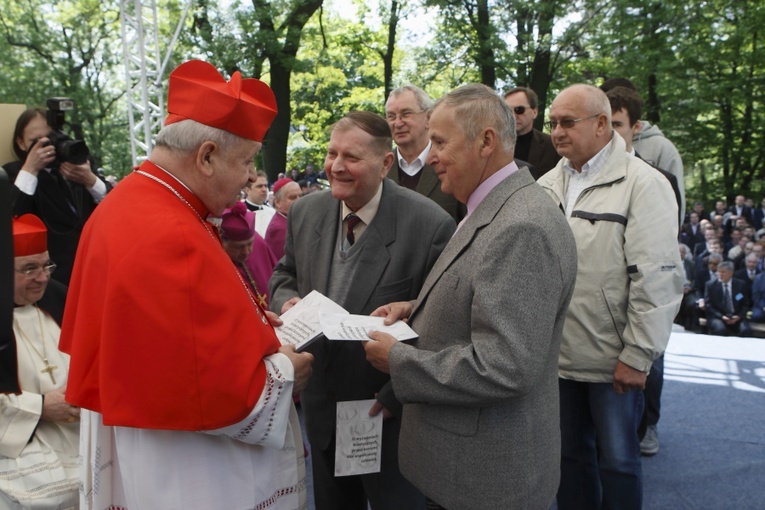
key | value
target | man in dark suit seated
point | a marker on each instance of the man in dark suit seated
(692, 233)
(748, 273)
(758, 298)
(739, 209)
(727, 304)
(688, 314)
(364, 243)
(702, 248)
(704, 274)
(714, 247)
(758, 216)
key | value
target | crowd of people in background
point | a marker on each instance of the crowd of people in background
(440, 220)
(723, 253)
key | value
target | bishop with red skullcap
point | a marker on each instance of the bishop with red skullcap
(189, 399)
(39, 428)
(30, 236)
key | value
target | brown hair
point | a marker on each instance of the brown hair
(21, 124)
(370, 123)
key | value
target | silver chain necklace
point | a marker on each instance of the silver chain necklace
(209, 232)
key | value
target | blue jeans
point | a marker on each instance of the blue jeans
(600, 449)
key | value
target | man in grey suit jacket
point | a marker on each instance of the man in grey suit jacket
(361, 266)
(407, 114)
(480, 422)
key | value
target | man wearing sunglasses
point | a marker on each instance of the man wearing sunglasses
(532, 145)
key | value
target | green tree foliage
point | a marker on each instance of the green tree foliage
(67, 48)
(341, 70)
(698, 65)
(700, 68)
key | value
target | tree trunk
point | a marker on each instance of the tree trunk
(541, 74)
(282, 59)
(486, 46)
(395, 10)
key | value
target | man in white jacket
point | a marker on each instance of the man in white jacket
(628, 290)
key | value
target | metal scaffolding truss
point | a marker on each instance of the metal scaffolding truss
(144, 71)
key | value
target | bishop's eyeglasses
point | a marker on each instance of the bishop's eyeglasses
(32, 272)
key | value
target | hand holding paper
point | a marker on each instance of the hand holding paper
(338, 326)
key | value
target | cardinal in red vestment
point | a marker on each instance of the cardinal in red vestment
(188, 390)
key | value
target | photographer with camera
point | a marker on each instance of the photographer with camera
(54, 180)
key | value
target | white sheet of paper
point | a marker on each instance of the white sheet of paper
(301, 322)
(358, 444)
(338, 326)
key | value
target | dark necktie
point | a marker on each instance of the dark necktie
(351, 221)
(728, 300)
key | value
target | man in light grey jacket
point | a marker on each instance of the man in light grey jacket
(628, 290)
(479, 387)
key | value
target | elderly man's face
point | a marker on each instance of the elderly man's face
(524, 122)
(286, 197)
(408, 122)
(27, 291)
(452, 155)
(586, 137)
(238, 251)
(724, 274)
(231, 170)
(355, 166)
(751, 263)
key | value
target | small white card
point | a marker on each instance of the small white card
(338, 326)
(301, 322)
(358, 443)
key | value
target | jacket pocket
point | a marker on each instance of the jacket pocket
(461, 421)
(611, 313)
(391, 290)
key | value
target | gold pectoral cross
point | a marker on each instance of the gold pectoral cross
(49, 368)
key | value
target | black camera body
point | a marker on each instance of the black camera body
(67, 149)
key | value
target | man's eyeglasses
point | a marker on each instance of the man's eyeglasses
(405, 115)
(34, 272)
(520, 110)
(568, 123)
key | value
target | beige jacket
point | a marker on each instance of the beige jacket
(629, 281)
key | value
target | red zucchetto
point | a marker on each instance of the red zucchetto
(30, 236)
(197, 91)
(281, 183)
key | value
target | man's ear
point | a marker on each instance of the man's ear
(636, 128)
(387, 163)
(205, 154)
(489, 140)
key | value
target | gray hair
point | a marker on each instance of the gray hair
(423, 99)
(477, 106)
(187, 135)
(716, 256)
(687, 251)
(752, 256)
(726, 265)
